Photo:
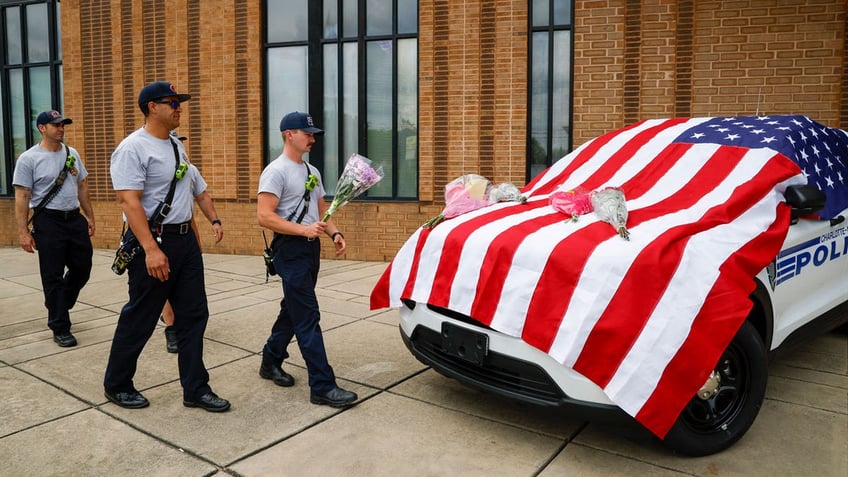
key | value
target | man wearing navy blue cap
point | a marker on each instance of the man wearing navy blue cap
(146, 176)
(59, 232)
(291, 203)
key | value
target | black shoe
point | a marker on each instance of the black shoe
(65, 340)
(337, 397)
(209, 401)
(129, 400)
(171, 340)
(269, 370)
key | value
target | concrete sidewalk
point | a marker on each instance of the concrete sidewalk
(54, 419)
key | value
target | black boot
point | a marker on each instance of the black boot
(274, 372)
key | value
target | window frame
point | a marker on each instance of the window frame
(315, 44)
(8, 155)
(551, 28)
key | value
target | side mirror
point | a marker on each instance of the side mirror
(804, 200)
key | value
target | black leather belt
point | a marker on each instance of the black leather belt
(62, 214)
(180, 229)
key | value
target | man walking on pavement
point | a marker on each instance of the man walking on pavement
(50, 180)
(151, 177)
(291, 203)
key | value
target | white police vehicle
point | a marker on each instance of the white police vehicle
(803, 292)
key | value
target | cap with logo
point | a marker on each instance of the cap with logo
(298, 120)
(158, 90)
(52, 117)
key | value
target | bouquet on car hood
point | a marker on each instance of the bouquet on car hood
(608, 204)
(471, 192)
(357, 177)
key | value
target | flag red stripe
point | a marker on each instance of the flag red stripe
(625, 316)
(724, 311)
(503, 248)
(566, 263)
(613, 162)
(380, 293)
(413, 272)
(449, 259)
(632, 305)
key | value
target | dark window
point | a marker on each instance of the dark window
(353, 65)
(551, 48)
(31, 76)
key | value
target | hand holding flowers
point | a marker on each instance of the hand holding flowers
(357, 177)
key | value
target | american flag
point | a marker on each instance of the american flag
(646, 319)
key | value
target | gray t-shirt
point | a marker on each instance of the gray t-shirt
(144, 162)
(286, 179)
(37, 169)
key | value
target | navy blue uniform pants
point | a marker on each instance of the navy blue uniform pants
(63, 243)
(186, 290)
(297, 262)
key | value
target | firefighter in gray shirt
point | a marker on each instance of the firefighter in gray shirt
(50, 179)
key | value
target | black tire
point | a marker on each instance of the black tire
(709, 426)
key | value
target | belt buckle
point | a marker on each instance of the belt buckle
(184, 228)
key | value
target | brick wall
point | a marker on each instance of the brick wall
(632, 60)
(658, 58)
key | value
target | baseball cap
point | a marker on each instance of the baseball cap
(298, 120)
(157, 90)
(53, 117)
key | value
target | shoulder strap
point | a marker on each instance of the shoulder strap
(305, 199)
(57, 184)
(170, 195)
(164, 207)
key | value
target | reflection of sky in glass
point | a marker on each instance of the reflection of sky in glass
(287, 90)
(38, 38)
(380, 113)
(350, 11)
(14, 53)
(331, 115)
(539, 98)
(562, 12)
(561, 93)
(378, 19)
(39, 96)
(540, 12)
(407, 118)
(331, 19)
(39, 90)
(2, 151)
(351, 99)
(58, 31)
(287, 20)
(379, 84)
(407, 16)
(19, 121)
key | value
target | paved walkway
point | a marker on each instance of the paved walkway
(54, 419)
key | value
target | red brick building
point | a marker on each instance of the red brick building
(497, 87)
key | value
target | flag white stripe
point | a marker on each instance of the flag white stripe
(667, 328)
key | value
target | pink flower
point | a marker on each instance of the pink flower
(571, 202)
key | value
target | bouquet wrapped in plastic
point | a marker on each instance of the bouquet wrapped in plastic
(471, 192)
(357, 177)
(609, 206)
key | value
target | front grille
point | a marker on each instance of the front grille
(499, 374)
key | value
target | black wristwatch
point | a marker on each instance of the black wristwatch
(333, 236)
(217, 221)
